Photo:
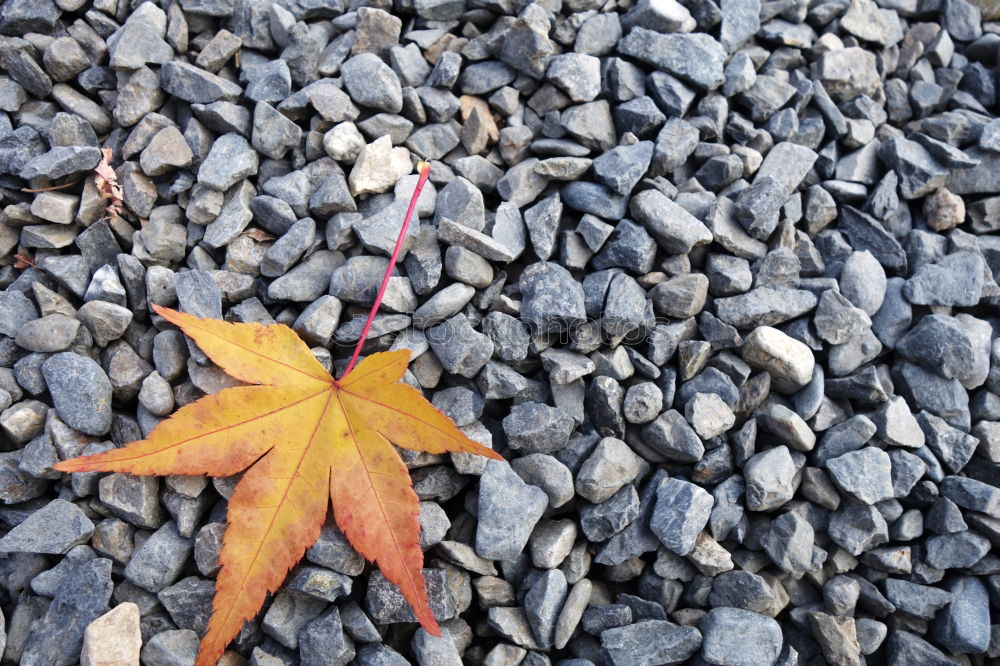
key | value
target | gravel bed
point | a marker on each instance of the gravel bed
(718, 279)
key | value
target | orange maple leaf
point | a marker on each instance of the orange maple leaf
(305, 437)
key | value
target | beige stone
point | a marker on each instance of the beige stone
(944, 210)
(378, 167)
(991, 10)
(470, 104)
(113, 639)
(231, 658)
(57, 207)
(709, 557)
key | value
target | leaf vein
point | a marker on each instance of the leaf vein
(400, 411)
(227, 429)
(267, 532)
(250, 350)
(385, 518)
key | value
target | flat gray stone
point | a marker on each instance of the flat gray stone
(650, 642)
(737, 637)
(53, 530)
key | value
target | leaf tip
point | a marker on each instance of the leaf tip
(163, 311)
(79, 464)
(434, 631)
(493, 454)
(429, 622)
(208, 655)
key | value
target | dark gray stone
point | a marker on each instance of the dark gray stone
(955, 551)
(230, 160)
(323, 643)
(287, 616)
(694, 57)
(552, 299)
(16, 310)
(542, 604)
(865, 474)
(527, 48)
(741, 589)
(904, 648)
(21, 16)
(944, 397)
(81, 392)
(629, 247)
(940, 344)
(333, 551)
(759, 205)
(963, 626)
(19, 147)
(857, 528)
(195, 85)
(622, 167)
(158, 562)
(764, 306)
(537, 428)
(919, 173)
(681, 513)
(18, 59)
(595, 199)
(56, 639)
(460, 348)
(189, 602)
(273, 134)
(508, 510)
(54, 529)
(270, 82)
(673, 228)
(542, 221)
(372, 83)
(600, 522)
(650, 642)
(61, 162)
(866, 233)
(972, 494)
(740, 21)
(921, 601)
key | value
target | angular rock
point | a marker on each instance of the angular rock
(695, 57)
(682, 511)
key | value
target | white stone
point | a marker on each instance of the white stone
(789, 361)
(343, 142)
(709, 557)
(378, 167)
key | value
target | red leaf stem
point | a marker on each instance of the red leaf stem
(425, 170)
